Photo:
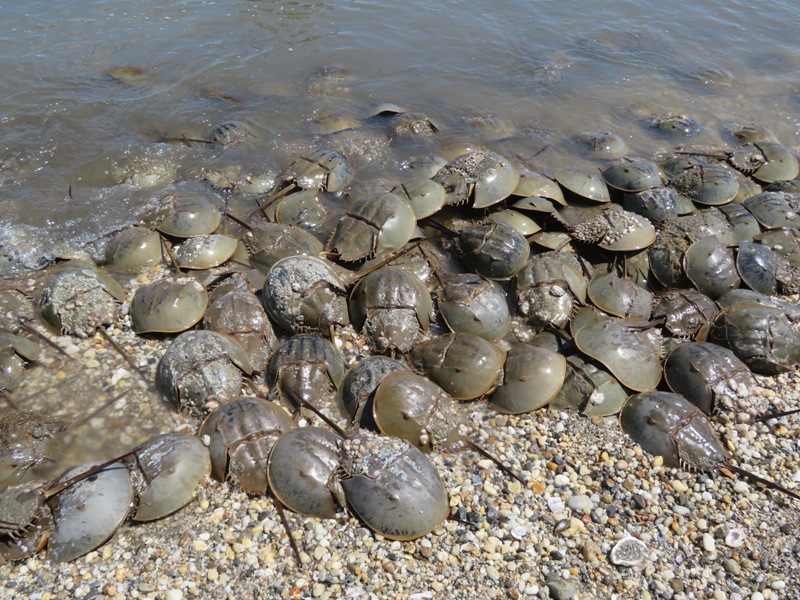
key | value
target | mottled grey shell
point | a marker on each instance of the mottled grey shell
(470, 303)
(79, 298)
(392, 486)
(303, 293)
(766, 338)
(375, 225)
(360, 382)
(267, 243)
(393, 308)
(200, 366)
(484, 177)
(495, 250)
(701, 372)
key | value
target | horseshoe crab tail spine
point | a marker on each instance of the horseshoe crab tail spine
(777, 415)
(753, 478)
(285, 523)
(486, 454)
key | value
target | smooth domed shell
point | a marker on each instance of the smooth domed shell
(633, 176)
(711, 267)
(191, 217)
(465, 366)
(602, 144)
(522, 223)
(133, 249)
(173, 466)
(533, 376)
(204, 251)
(552, 240)
(425, 196)
(88, 512)
(631, 354)
(590, 388)
(585, 185)
(24, 346)
(780, 165)
(410, 406)
(168, 307)
(620, 297)
(536, 184)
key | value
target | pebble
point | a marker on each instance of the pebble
(628, 552)
(732, 567)
(679, 486)
(173, 595)
(560, 589)
(556, 505)
(580, 503)
(561, 480)
(708, 543)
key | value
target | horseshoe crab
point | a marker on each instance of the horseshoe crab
(79, 298)
(374, 226)
(303, 472)
(465, 366)
(304, 294)
(483, 177)
(392, 486)
(393, 308)
(168, 306)
(670, 426)
(240, 435)
(200, 367)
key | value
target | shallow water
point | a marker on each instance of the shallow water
(543, 70)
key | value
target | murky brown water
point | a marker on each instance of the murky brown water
(543, 70)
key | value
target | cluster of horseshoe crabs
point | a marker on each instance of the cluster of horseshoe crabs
(648, 289)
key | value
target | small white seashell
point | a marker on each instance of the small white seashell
(735, 538)
(628, 552)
